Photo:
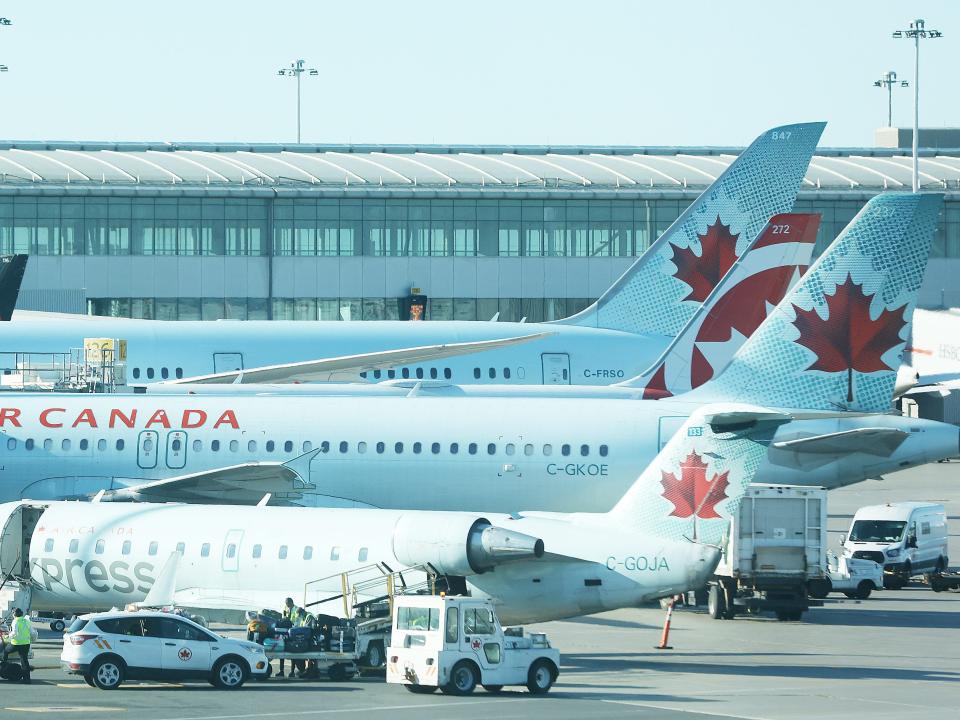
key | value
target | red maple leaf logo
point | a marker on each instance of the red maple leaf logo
(849, 339)
(692, 494)
(702, 272)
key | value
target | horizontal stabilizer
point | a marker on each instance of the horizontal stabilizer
(872, 441)
(348, 368)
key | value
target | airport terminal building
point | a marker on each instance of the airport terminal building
(331, 232)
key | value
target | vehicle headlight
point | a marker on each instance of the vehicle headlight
(893, 553)
(255, 649)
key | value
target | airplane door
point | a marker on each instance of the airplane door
(176, 449)
(668, 428)
(147, 449)
(556, 368)
(230, 562)
(225, 362)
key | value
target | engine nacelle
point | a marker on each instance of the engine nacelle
(458, 543)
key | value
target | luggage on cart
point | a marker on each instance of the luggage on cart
(299, 639)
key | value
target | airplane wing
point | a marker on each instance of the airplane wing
(873, 441)
(347, 368)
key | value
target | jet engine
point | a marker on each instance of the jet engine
(458, 543)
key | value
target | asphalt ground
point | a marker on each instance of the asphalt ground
(895, 655)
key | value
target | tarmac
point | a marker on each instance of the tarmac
(894, 655)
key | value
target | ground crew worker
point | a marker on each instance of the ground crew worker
(292, 613)
(20, 637)
(305, 619)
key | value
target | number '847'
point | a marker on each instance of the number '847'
(780, 135)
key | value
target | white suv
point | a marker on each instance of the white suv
(108, 648)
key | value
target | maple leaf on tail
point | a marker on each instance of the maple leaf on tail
(849, 339)
(691, 493)
(718, 253)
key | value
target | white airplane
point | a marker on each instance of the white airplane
(933, 357)
(616, 338)
(663, 537)
(826, 355)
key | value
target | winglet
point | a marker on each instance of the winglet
(165, 586)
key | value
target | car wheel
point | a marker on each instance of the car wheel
(229, 673)
(540, 677)
(107, 673)
(421, 689)
(863, 590)
(88, 679)
(819, 588)
(375, 657)
(58, 626)
(493, 688)
(463, 679)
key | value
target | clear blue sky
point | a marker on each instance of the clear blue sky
(684, 72)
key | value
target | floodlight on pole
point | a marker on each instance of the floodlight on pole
(295, 70)
(916, 31)
(4, 21)
(889, 81)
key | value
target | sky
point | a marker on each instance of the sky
(682, 72)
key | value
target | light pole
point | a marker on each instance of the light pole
(916, 31)
(888, 81)
(4, 22)
(295, 71)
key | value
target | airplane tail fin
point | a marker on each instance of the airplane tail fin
(696, 483)
(661, 291)
(755, 284)
(12, 268)
(836, 340)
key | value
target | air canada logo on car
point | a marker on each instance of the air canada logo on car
(185, 654)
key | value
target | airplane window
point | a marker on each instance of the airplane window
(307, 446)
(181, 547)
(257, 551)
(231, 550)
(48, 444)
(84, 444)
(343, 446)
(510, 448)
(147, 445)
(65, 445)
(150, 373)
(491, 449)
(420, 373)
(364, 374)
(398, 448)
(435, 448)
(270, 445)
(98, 548)
(528, 449)
(205, 550)
(251, 446)
(433, 373)
(472, 448)
(288, 446)
(492, 373)
(125, 548)
(376, 374)
(446, 371)
(603, 451)
(215, 445)
(548, 449)
(164, 373)
(48, 545)
(325, 446)
(476, 373)
(179, 372)
(391, 374)
(334, 553)
(361, 447)
(136, 373)
(11, 444)
(234, 446)
(177, 445)
(307, 553)
(405, 372)
(102, 444)
(380, 448)
(362, 555)
(584, 450)
(454, 448)
(506, 373)
(74, 545)
(564, 450)
(152, 548)
(119, 444)
(417, 447)
(29, 444)
(283, 552)
(197, 445)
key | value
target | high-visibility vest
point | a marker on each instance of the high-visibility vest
(295, 615)
(21, 631)
(308, 620)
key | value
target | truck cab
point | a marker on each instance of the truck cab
(908, 539)
(456, 643)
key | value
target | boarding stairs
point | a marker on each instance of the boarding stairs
(13, 595)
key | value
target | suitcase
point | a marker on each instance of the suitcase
(284, 624)
(297, 644)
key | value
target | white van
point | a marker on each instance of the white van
(907, 538)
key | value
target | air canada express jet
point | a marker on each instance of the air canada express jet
(826, 355)
(616, 338)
